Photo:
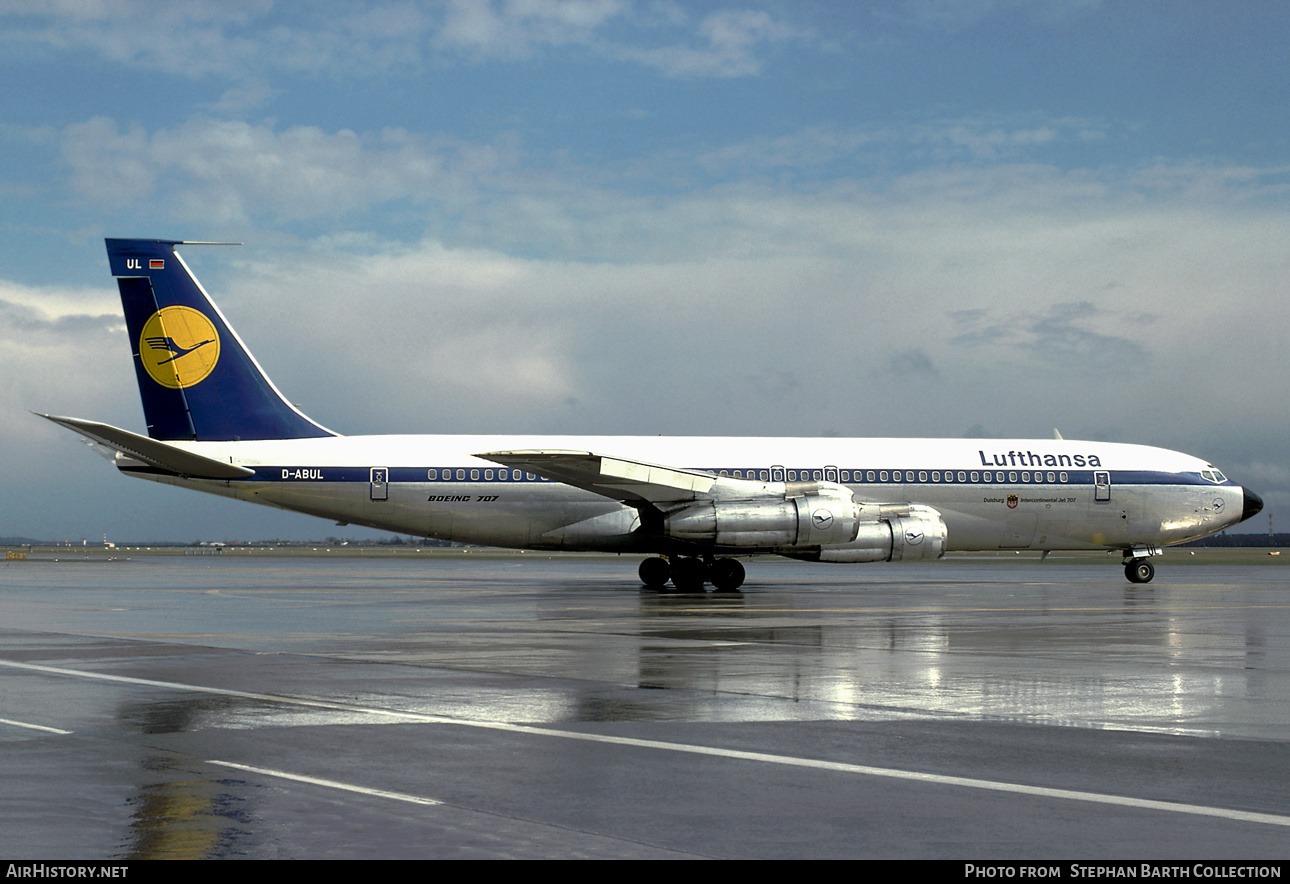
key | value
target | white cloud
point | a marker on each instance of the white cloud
(514, 28)
(61, 351)
(250, 38)
(227, 171)
(729, 43)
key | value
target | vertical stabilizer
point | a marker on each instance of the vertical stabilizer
(196, 378)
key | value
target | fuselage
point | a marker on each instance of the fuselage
(992, 494)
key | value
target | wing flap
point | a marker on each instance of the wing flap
(628, 481)
(150, 451)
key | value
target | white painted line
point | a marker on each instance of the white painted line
(35, 727)
(938, 779)
(224, 692)
(330, 784)
(737, 754)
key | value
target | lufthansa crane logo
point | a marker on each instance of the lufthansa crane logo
(178, 347)
(823, 519)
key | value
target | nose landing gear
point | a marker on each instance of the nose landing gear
(1139, 570)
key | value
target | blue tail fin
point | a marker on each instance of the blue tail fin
(196, 378)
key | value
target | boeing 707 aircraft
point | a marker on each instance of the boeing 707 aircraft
(693, 505)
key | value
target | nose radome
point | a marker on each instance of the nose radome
(1253, 505)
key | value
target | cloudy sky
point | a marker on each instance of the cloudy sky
(896, 218)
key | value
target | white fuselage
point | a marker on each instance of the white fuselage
(992, 494)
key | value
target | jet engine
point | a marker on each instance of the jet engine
(807, 514)
(910, 533)
(818, 521)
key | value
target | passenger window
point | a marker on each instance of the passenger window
(1012, 477)
(868, 477)
(882, 475)
(474, 475)
(975, 475)
(488, 475)
(1063, 476)
(432, 475)
(461, 474)
(936, 475)
(922, 476)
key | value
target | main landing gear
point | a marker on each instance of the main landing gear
(688, 574)
(1139, 570)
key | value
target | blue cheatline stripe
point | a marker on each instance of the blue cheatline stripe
(998, 478)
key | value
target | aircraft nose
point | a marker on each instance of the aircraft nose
(1253, 505)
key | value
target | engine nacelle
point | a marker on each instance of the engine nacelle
(911, 533)
(806, 515)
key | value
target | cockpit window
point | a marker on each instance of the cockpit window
(1213, 475)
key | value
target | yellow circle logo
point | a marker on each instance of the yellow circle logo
(178, 347)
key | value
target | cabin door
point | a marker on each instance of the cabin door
(380, 487)
(1102, 486)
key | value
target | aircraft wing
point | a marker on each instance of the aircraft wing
(629, 481)
(151, 452)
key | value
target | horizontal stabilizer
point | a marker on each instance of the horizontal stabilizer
(150, 451)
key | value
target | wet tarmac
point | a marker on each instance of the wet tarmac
(523, 707)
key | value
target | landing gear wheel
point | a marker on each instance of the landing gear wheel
(1139, 571)
(655, 572)
(727, 575)
(688, 574)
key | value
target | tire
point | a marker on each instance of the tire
(727, 575)
(654, 572)
(1139, 571)
(689, 574)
